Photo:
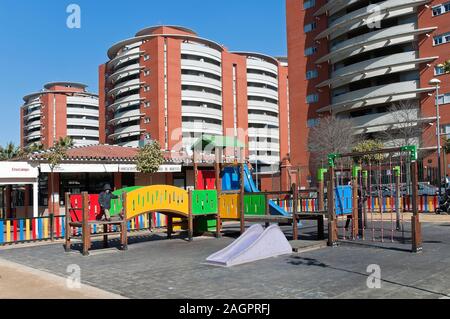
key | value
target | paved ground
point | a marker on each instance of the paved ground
(155, 268)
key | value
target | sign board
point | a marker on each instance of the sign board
(17, 170)
(104, 168)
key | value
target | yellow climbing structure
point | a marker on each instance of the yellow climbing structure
(157, 198)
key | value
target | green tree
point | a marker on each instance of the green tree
(54, 157)
(368, 146)
(65, 142)
(149, 158)
(9, 152)
(445, 66)
(35, 147)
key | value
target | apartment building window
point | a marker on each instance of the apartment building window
(444, 98)
(146, 88)
(312, 98)
(146, 72)
(146, 120)
(446, 130)
(309, 27)
(313, 123)
(441, 39)
(439, 70)
(311, 74)
(309, 4)
(441, 9)
(310, 51)
(146, 104)
(146, 57)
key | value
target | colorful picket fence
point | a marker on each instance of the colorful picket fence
(14, 231)
(426, 204)
(305, 205)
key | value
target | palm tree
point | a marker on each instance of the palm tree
(65, 142)
(9, 152)
(445, 66)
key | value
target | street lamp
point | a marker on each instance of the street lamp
(436, 82)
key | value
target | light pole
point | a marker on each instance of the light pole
(436, 82)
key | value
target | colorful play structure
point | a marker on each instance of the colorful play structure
(373, 190)
(235, 198)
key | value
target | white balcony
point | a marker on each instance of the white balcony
(82, 122)
(80, 111)
(204, 112)
(263, 119)
(81, 100)
(83, 132)
(33, 135)
(33, 114)
(370, 14)
(124, 72)
(263, 92)
(264, 132)
(389, 64)
(201, 66)
(127, 117)
(126, 131)
(260, 78)
(198, 96)
(33, 124)
(374, 40)
(125, 87)
(263, 106)
(201, 50)
(124, 57)
(266, 159)
(198, 127)
(262, 65)
(127, 101)
(376, 95)
(201, 81)
(273, 147)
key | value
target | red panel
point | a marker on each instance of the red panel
(206, 180)
(76, 204)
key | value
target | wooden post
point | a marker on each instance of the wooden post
(105, 237)
(218, 218)
(68, 229)
(195, 164)
(190, 217)
(321, 195)
(364, 194)
(85, 223)
(415, 219)
(241, 198)
(332, 226)
(294, 191)
(123, 225)
(217, 168)
(169, 226)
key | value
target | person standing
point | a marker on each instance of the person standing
(105, 202)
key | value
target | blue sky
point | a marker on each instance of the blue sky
(37, 47)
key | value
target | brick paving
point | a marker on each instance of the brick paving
(154, 267)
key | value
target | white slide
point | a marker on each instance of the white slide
(255, 244)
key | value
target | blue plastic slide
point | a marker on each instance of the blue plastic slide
(230, 181)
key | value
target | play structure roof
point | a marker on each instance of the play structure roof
(218, 141)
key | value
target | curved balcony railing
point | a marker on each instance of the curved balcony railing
(201, 50)
(369, 15)
(262, 92)
(201, 66)
(188, 95)
(261, 78)
(375, 67)
(374, 40)
(375, 95)
(201, 81)
(262, 66)
(125, 87)
(204, 112)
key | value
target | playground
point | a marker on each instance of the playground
(233, 241)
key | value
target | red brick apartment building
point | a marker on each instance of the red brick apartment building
(170, 85)
(355, 58)
(61, 109)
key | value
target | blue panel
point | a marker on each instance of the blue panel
(63, 227)
(21, 232)
(2, 232)
(40, 228)
(343, 200)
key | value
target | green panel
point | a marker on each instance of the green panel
(205, 224)
(204, 202)
(116, 204)
(255, 205)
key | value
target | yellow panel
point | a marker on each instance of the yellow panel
(8, 231)
(46, 228)
(177, 228)
(229, 206)
(27, 230)
(158, 198)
